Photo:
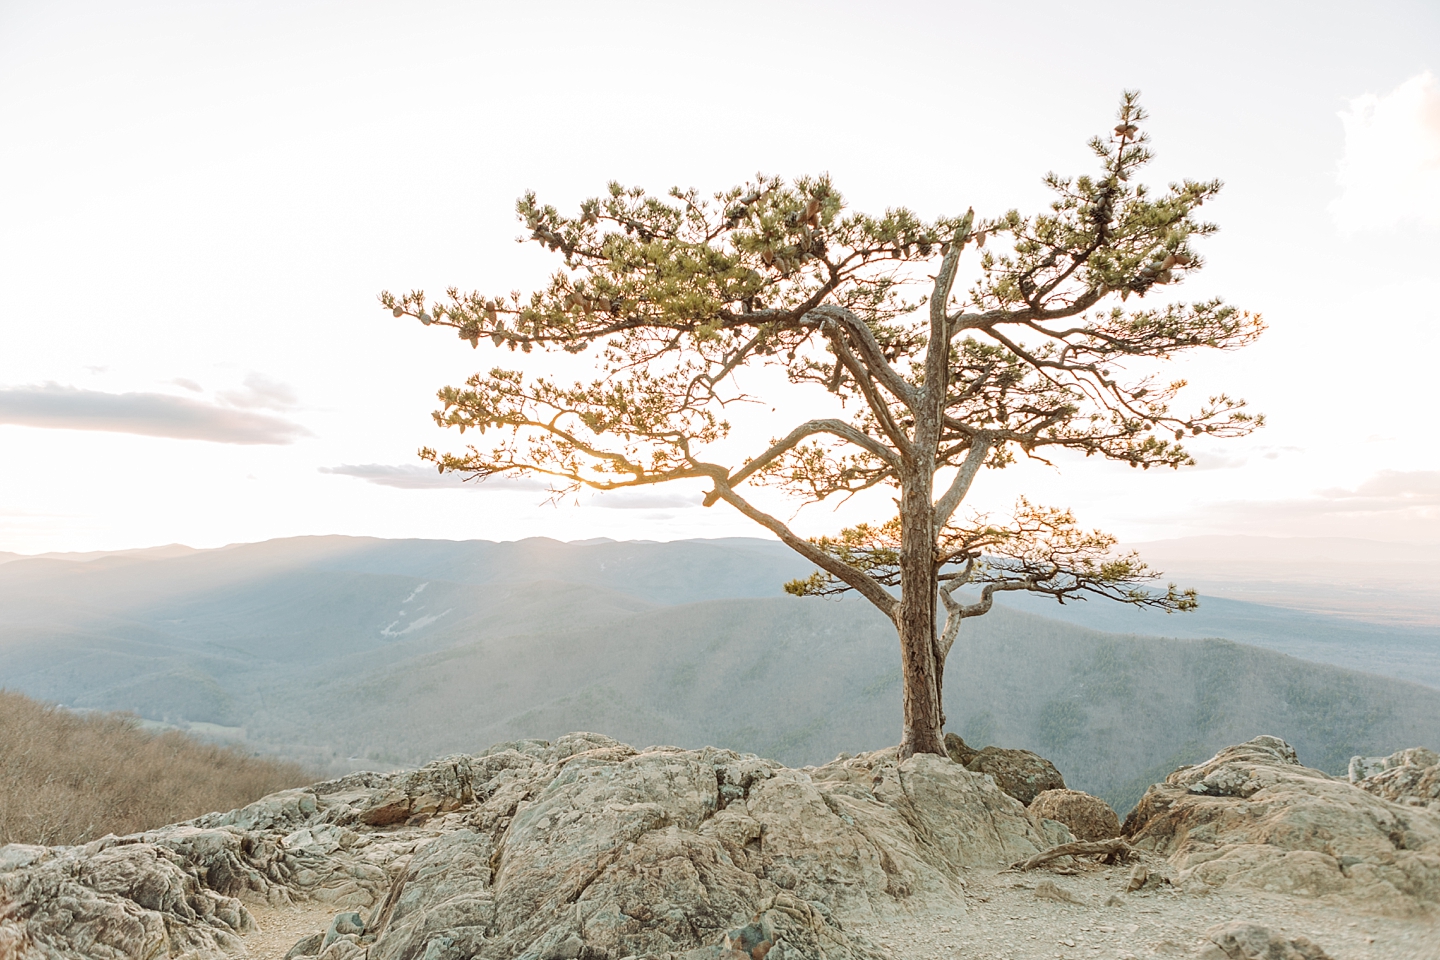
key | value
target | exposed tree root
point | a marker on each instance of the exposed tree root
(1114, 851)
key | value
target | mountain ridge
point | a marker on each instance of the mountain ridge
(340, 652)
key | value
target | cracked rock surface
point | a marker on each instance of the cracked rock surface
(580, 848)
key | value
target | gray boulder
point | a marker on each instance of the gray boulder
(1087, 817)
(115, 898)
(306, 946)
(1020, 773)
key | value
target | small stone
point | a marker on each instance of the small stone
(1115, 900)
(1239, 940)
(1048, 890)
(1139, 874)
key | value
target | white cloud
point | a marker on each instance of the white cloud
(54, 406)
(1390, 173)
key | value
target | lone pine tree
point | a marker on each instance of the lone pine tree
(1045, 351)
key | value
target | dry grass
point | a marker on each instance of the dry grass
(67, 778)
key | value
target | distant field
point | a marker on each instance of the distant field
(67, 778)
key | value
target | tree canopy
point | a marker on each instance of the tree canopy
(1046, 350)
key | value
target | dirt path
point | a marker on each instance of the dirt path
(281, 927)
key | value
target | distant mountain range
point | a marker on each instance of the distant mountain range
(1370, 580)
(357, 652)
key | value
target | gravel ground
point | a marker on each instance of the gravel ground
(280, 928)
(1006, 921)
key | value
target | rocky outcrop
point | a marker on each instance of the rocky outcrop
(112, 900)
(1252, 816)
(1364, 768)
(1087, 817)
(588, 849)
(580, 849)
(1410, 777)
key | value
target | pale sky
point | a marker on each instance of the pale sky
(200, 201)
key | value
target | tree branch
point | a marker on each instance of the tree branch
(859, 581)
(838, 428)
(878, 406)
(870, 352)
(945, 507)
(937, 354)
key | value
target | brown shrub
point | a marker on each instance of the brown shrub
(69, 778)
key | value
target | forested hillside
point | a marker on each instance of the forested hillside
(348, 653)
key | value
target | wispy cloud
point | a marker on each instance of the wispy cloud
(411, 476)
(1390, 172)
(1387, 491)
(1214, 460)
(646, 500)
(1391, 505)
(258, 390)
(188, 384)
(58, 407)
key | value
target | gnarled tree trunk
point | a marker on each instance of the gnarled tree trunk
(915, 623)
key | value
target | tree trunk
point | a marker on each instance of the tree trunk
(915, 622)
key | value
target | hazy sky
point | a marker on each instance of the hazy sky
(200, 201)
